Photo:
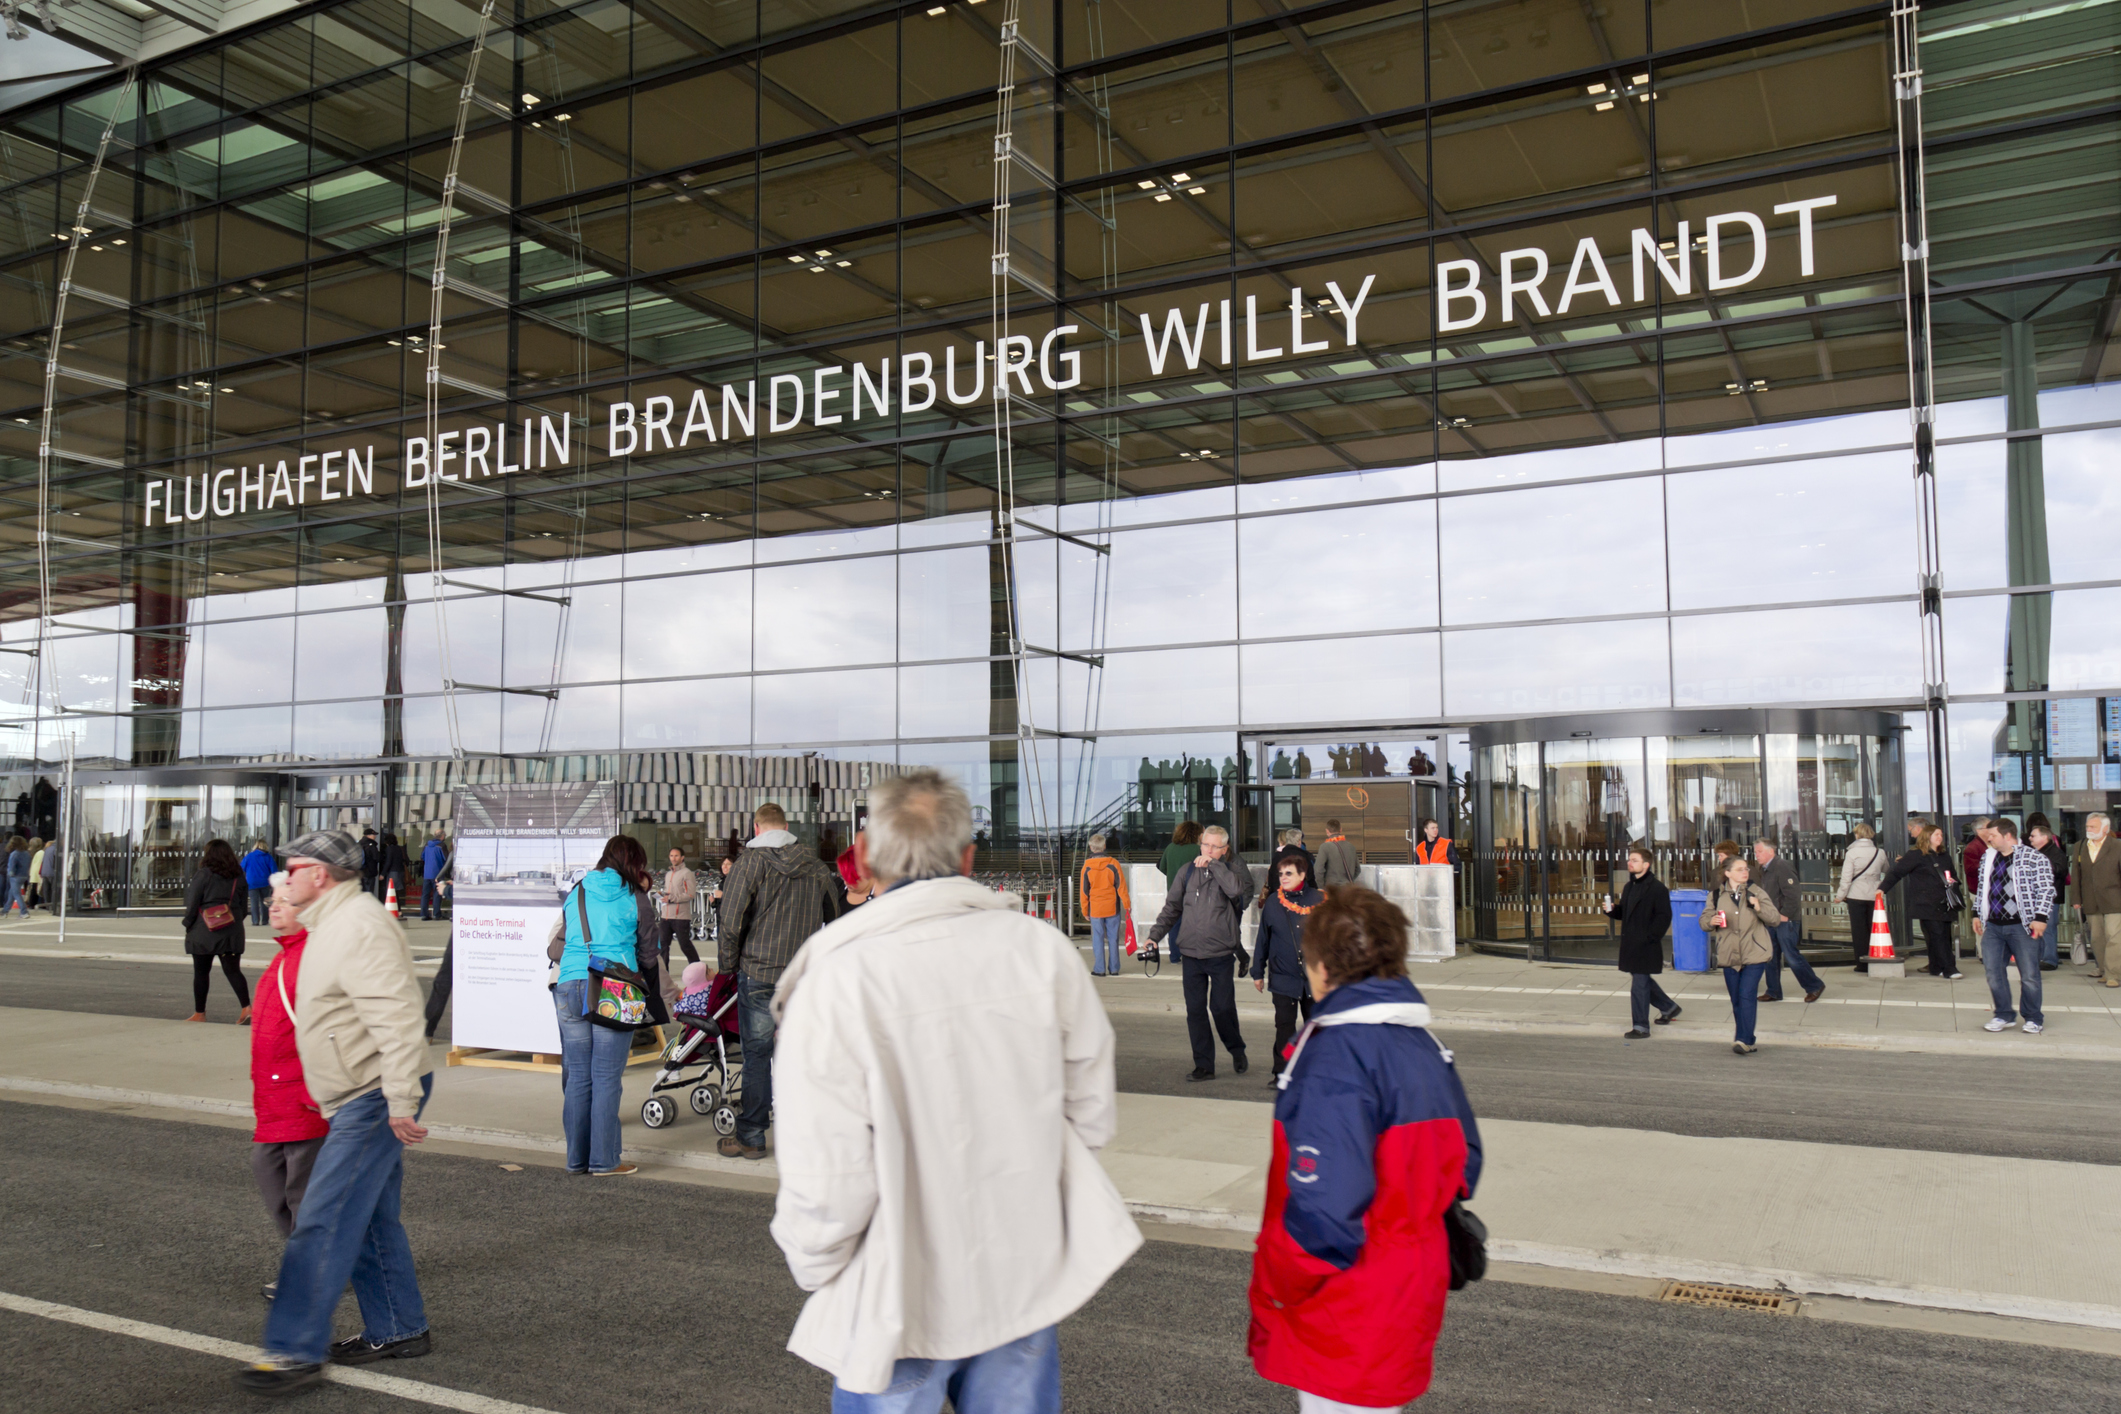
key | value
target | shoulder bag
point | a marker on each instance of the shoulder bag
(616, 997)
(1954, 891)
(1464, 1233)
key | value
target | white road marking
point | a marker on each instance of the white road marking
(417, 1390)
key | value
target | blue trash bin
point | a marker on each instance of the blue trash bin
(1690, 945)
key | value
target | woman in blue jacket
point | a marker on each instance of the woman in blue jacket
(593, 1057)
(1278, 956)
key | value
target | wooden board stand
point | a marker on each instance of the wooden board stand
(538, 1060)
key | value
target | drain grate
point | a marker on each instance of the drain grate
(1730, 1298)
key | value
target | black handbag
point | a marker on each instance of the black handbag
(1467, 1236)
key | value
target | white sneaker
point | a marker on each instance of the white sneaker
(2033, 1028)
(1997, 1023)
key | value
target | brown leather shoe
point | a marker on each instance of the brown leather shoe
(1815, 994)
(735, 1148)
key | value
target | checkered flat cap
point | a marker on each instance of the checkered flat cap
(337, 848)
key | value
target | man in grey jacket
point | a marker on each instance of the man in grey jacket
(1202, 914)
(356, 1011)
(1338, 863)
(1779, 878)
(777, 894)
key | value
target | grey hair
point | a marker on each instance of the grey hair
(2101, 816)
(1097, 844)
(919, 825)
(1292, 836)
(1218, 831)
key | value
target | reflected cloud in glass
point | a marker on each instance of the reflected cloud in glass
(1512, 672)
(949, 699)
(688, 713)
(1831, 528)
(794, 708)
(818, 615)
(1337, 488)
(1560, 464)
(1553, 552)
(1886, 428)
(1175, 584)
(1388, 678)
(1842, 653)
(1369, 567)
(2086, 652)
(946, 604)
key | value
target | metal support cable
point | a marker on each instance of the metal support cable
(75, 237)
(446, 216)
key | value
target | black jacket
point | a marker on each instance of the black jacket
(1645, 914)
(773, 899)
(1278, 952)
(1924, 873)
(1204, 910)
(206, 888)
(2058, 860)
(1779, 878)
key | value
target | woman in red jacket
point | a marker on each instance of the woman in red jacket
(1373, 1141)
(291, 1128)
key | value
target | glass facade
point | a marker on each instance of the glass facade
(436, 399)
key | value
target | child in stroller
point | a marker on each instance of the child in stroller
(707, 1040)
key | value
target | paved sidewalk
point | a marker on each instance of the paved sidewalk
(1475, 991)
(1881, 1224)
(108, 937)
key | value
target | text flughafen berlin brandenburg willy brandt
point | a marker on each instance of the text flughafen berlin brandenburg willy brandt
(835, 394)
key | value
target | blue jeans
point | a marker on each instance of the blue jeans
(1107, 935)
(754, 1015)
(1744, 985)
(347, 1229)
(14, 894)
(430, 899)
(1022, 1377)
(592, 1069)
(2001, 943)
(1643, 993)
(260, 902)
(1788, 934)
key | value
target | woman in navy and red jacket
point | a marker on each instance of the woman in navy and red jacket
(291, 1128)
(1373, 1141)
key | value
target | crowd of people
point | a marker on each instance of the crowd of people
(943, 1231)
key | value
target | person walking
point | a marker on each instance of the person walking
(52, 873)
(2095, 864)
(434, 861)
(2041, 836)
(1977, 844)
(357, 1029)
(2014, 902)
(603, 925)
(776, 895)
(257, 881)
(1185, 844)
(940, 1249)
(1374, 1141)
(1338, 861)
(371, 859)
(290, 1126)
(32, 879)
(1644, 909)
(1926, 870)
(1278, 954)
(943, 1230)
(1740, 920)
(214, 903)
(390, 871)
(17, 876)
(680, 887)
(1201, 915)
(1102, 885)
(1779, 879)
(1863, 866)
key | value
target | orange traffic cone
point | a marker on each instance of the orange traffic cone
(390, 901)
(1881, 934)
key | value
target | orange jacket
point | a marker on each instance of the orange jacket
(1103, 887)
(1441, 852)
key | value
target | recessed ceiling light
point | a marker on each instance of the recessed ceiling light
(1163, 196)
(1196, 191)
(1180, 177)
(1642, 78)
(1595, 89)
(1601, 107)
(117, 242)
(532, 99)
(795, 260)
(843, 264)
(228, 390)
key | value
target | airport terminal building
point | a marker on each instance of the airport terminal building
(1578, 422)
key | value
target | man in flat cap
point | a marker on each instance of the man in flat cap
(357, 1016)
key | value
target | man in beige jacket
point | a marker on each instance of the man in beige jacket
(2095, 866)
(357, 1016)
(944, 1079)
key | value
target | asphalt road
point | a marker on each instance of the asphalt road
(585, 1297)
(2045, 1109)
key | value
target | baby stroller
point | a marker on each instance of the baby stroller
(709, 1043)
